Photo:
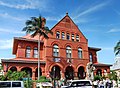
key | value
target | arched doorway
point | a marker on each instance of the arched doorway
(55, 72)
(36, 73)
(27, 70)
(81, 72)
(69, 73)
(13, 69)
(99, 72)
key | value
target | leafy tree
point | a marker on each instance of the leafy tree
(14, 75)
(117, 48)
(36, 26)
(112, 75)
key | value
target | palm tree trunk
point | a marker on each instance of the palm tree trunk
(39, 58)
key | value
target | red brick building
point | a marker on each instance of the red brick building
(64, 55)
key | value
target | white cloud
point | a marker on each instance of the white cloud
(6, 15)
(117, 12)
(28, 4)
(108, 48)
(6, 44)
(90, 10)
(113, 30)
(10, 31)
(52, 18)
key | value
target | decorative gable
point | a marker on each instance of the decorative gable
(67, 26)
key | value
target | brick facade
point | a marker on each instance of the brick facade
(65, 34)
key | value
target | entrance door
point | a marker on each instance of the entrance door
(55, 73)
(69, 73)
(81, 72)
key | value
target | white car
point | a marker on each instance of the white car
(78, 84)
(11, 84)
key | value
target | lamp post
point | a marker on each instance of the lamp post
(54, 77)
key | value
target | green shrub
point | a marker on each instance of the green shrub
(97, 77)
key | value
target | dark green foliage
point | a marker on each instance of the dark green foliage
(14, 75)
(97, 77)
(117, 48)
(43, 79)
(112, 75)
(37, 26)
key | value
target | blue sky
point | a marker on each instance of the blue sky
(99, 21)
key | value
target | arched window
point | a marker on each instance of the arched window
(55, 50)
(91, 57)
(73, 37)
(77, 38)
(79, 52)
(57, 34)
(68, 36)
(35, 52)
(68, 52)
(63, 35)
(28, 51)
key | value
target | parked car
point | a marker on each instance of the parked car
(11, 84)
(78, 84)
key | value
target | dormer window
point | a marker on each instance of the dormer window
(63, 35)
(57, 34)
(77, 38)
(73, 37)
(68, 36)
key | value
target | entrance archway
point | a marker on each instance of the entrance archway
(69, 73)
(36, 73)
(55, 73)
(27, 70)
(13, 69)
(81, 72)
(99, 72)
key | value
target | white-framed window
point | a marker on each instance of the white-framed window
(35, 54)
(68, 52)
(68, 36)
(73, 38)
(55, 50)
(57, 34)
(79, 52)
(91, 57)
(28, 50)
(63, 35)
(77, 38)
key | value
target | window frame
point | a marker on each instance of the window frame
(80, 53)
(55, 50)
(28, 51)
(68, 52)
(91, 57)
(68, 36)
(77, 38)
(58, 35)
(63, 35)
(35, 52)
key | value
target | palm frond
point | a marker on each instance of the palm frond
(46, 29)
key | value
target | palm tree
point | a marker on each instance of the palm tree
(36, 26)
(117, 48)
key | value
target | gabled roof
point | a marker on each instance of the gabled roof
(72, 22)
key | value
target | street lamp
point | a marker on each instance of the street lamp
(54, 77)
